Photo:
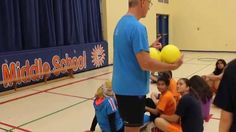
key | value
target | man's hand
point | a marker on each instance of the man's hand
(178, 63)
(156, 44)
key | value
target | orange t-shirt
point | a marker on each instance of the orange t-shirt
(167, 103)
(173, 89)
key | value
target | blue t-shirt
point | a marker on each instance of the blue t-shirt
(130, 38)
(107, 107)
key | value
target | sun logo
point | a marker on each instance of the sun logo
(98, 56)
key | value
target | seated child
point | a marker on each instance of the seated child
(106, 111)
(213, 79)
(173, 87)
(166, 103)
(205, 94)
(188, 115)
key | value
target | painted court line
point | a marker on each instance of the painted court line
(14, 127)
(68, 95)
(51, 114)
(101, 79)
(215, 118)
(28, 95)
(3, 129)
(198, 70)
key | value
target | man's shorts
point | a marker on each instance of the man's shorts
(131, 109)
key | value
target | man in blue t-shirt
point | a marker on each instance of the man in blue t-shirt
(132, 64)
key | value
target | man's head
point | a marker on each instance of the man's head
(139, 7)
(133, 3)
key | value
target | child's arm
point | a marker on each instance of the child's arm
(111, 118)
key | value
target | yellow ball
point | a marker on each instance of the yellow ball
(170, 53)
(155, 54)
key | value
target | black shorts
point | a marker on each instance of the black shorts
(131, 109)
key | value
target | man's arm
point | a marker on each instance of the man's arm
(156, 44)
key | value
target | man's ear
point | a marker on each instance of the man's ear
(142, 2)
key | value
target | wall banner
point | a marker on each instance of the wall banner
(29, 67)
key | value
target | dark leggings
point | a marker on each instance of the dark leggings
(94, 123)
(151, 104)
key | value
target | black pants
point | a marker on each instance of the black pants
(151, 104)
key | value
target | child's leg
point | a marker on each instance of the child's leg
(94, 123)
(216, 84)
(211, 85)
(151, 104)
(165, 126)
(161, 124)
(153, 77)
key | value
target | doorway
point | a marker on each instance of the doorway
(162, 25)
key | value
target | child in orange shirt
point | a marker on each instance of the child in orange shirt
(166, 103)
(173, 87)
(188, 112)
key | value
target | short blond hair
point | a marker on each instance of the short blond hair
(107, 85)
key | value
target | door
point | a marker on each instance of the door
(162, 22)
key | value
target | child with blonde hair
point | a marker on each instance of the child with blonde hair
(106, 112)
